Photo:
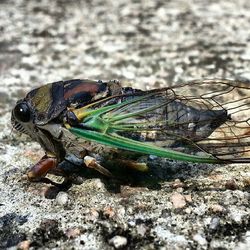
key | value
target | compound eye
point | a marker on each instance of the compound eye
(22, 112)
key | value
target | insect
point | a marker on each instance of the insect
(203, 121)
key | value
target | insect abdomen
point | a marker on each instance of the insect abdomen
(192, 123)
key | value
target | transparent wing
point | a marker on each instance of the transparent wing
(207, 119)
(230, 140)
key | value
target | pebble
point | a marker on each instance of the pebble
(109, 212)
(236, 216)
(188, 198)
(118, 241)
(177, 184)
(216, 208)
(62, 198)
(200, 239)
(98, 184)
(92, 215)
(188, 210)
(121, 212)
(215, 222)
(23, 245)
(72, 233)
(141, 229)
(178, 200)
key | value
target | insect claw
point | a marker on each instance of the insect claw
(91, 162)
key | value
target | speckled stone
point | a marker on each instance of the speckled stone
(147, 44)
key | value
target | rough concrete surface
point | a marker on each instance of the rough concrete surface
(146, 44)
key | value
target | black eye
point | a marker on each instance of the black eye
(22, 112)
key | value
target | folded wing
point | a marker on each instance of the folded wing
(200, 121)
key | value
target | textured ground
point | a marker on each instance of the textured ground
(149, 44)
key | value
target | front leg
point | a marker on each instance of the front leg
(100, 166)
(91, 162)
(42, 167)
(132, 164)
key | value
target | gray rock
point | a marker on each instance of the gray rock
(62, 198)
(118, 241)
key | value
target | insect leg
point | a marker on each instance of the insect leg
(42, 167)
(91, 162)
(139, 166)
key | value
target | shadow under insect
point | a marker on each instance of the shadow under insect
(159, 170)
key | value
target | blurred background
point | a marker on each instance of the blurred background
(150, 43)
(145, 44)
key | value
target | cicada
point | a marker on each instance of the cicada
(203, 121)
